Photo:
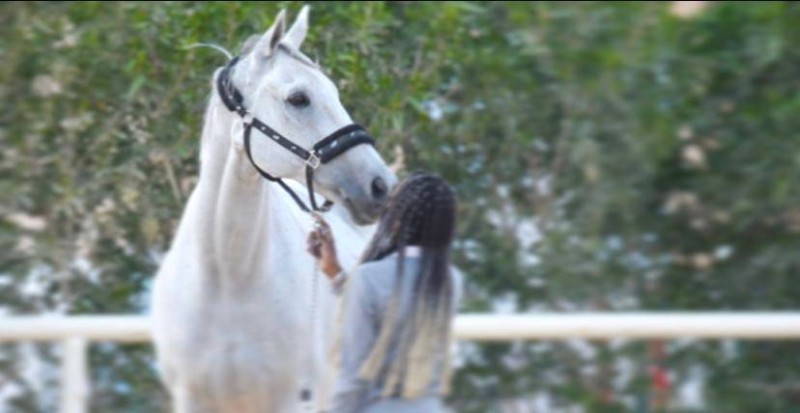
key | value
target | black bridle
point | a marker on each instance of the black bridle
(321, 153)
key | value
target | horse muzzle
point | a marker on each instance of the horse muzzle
(366, 201)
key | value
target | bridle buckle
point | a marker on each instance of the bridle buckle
(313, 161)
(247, 118)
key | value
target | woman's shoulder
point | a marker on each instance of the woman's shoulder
(457, 273)
(370, 272)
(458, 283)
(376, 265)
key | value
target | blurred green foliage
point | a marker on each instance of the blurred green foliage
(607, 155)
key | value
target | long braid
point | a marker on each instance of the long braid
(374, 364)
(433, 308)
(421, 213)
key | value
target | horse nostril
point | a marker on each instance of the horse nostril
(379, 188)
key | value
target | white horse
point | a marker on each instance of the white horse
(232, 301)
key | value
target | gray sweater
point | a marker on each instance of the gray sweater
(369, 294)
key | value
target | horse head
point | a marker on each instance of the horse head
(281, 87)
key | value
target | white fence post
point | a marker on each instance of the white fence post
(74, 376)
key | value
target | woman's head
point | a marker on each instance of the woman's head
(421, 212)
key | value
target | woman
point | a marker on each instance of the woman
(398, 304)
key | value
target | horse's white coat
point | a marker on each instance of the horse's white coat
(232, 299)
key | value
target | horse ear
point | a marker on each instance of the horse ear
(295, 36)
(249, 44)
(269, 41)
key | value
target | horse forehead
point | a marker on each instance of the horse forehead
(288, 69)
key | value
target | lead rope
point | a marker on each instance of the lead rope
(307, 393)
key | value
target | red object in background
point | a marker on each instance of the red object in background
(659, 378)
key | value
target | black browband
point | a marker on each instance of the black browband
(322, 152)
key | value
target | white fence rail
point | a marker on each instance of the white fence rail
(482, 327)
(77, 332)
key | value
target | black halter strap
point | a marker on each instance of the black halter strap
(323, 151)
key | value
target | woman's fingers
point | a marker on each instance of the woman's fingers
(323, 229)
(321, 223)
(314, 244)
(325, 251)
(314, 253)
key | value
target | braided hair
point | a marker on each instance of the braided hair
(421, 212)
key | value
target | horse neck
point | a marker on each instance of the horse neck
(232, 199)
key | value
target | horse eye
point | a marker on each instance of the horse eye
(299, 100)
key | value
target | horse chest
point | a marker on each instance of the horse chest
(242, 347)
(259, 320)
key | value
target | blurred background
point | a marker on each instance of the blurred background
(608, 156)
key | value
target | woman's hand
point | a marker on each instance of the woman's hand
(322, 247)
